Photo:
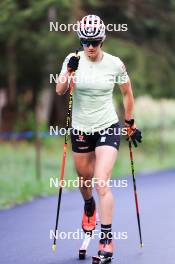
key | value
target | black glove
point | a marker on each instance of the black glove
(133, 133)
(73, 63)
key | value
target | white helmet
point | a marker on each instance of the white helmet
(91, 27)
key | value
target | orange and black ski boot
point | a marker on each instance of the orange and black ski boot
(89, 216)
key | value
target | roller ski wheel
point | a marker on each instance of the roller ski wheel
(82, 254)
(101, 260)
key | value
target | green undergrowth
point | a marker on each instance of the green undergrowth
(18, 177)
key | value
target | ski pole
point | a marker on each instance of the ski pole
(68, 121)
(135, 191)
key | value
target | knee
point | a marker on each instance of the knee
(85, 172)
(101, 187)
(102, 183)
(85, 181)
(83, 177)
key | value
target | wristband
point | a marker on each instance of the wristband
(129, 122)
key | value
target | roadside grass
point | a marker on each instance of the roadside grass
(18, 182)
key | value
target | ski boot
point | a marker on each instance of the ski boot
(105, 253)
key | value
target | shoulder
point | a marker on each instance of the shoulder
(115, 60)
(68, 57)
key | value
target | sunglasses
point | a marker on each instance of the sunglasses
(87, 43)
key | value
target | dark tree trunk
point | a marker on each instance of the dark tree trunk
(12, 72)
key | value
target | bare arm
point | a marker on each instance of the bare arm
(62, 83)
(128, 99)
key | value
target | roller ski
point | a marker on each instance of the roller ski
(84, 247)
(105, 253)
(89, 222)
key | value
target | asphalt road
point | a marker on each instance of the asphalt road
(25, 229)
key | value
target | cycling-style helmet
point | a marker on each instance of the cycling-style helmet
(91, 27)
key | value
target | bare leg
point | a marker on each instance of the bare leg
(84, 164)
(105, 159)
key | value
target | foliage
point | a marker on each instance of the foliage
(155, 114)
(147, 48)
(19, 158)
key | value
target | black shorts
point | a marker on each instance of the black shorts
(85, 142)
